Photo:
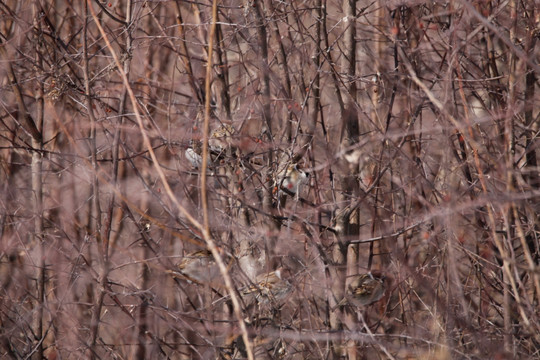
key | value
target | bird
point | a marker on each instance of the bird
(365, 289)
(291, 179)
(251, 259)
(219, 139)
(272, 287)
(194, 153)
(199, 267)
(218, 142)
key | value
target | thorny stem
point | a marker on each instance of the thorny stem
(204, 230)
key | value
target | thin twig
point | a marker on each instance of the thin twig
(207, 237)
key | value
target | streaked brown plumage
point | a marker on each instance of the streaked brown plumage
(199, 267)
(291, 179)
(366, 289)
(220, 138)
(272, 287)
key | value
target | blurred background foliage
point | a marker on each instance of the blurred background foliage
(397, 139)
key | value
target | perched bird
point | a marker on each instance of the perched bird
(250, 260)
(272, 287)
(194, 153)
(365, 289)
(199, 267)
(291, 179)
(219, 139)
(269, 288)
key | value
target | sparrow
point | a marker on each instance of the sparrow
(291, 179)
(194, 153)
(272, 287)
(217, 143)
(365, 289)
(251, 260)
(219, 139)
(199, 267)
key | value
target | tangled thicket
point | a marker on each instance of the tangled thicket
(417, 123)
